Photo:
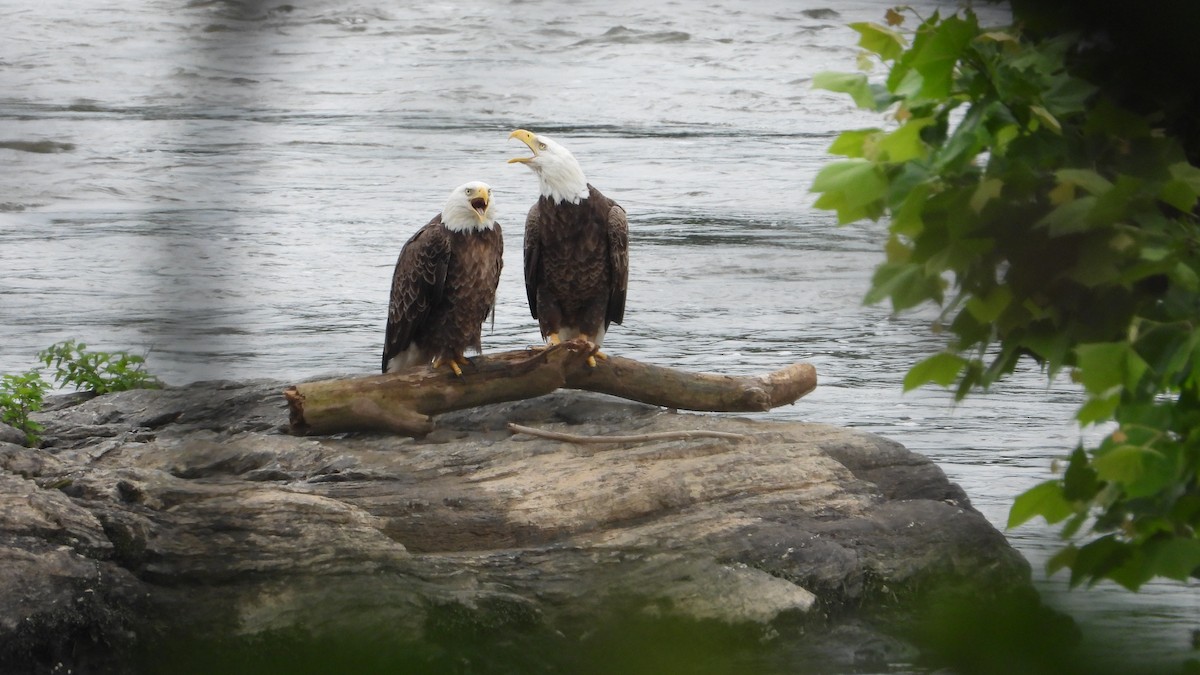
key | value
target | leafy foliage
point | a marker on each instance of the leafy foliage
(20, 395)
(1047, 221)
(99, 372)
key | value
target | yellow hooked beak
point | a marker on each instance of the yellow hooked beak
(479, 202)
(528, 138)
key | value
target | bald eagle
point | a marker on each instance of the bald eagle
(445, 284)
(576, 249)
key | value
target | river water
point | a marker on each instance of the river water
(224, 186)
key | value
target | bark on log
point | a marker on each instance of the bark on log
(404, 402)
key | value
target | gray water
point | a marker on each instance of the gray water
(224, 186)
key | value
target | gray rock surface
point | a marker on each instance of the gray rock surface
(151, 514)
(12, 435)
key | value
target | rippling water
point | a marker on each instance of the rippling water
(226, 186)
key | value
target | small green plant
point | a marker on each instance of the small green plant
(99, 372)
(19, 396)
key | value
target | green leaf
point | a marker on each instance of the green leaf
(969, 138)
(1098, 263)
(958, 255)
(887, 43)
(1179, 194)
(1135, 369)
(1068, 95)
(1115, 204)
(854, 84)
(1045, 500)
(850, 175)
(1176, 558)
(941, 369)
(897, 251)
(1071, 528)
(905, 283)
(1130, 465)
(1185, 277)
(1104, 366)
(1052, 347)
(908, 86)
(1002, 137)
(999, 36)
(1070, 217)
(905, 143)
(1087, 179)
(986, 191)
(852, 187)
(1080, 482)
(1062, 560)
(1096, 559)
(1194, 375)
(1098, 409)
(936, 52)
(1182, 171)
(1166, 348)
(1133, 570)
(987, 308)
(907, 218)
(1047, 119)
(848, 212)
(853, 143)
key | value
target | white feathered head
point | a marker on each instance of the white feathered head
(559, 174)
(469, 207)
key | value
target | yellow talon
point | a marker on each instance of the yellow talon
(453, 362)
(596, 353)
(551, 340)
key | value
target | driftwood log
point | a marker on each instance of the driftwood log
(404, 402)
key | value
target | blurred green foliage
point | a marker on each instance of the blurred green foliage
(1051, 214)
(957, 630)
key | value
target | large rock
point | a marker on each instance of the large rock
(174, 520)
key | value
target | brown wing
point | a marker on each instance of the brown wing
(417, 285)
(618, 260)
(533, 261)
(496, 268)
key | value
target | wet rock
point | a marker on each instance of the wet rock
(150, 514)
(11, 435)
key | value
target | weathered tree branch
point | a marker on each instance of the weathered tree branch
(404, 402)
(633, 438)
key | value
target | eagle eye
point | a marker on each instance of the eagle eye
(541, 146)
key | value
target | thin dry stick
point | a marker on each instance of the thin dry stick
(636, 438)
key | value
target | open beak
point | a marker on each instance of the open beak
(480, 204)
(528, 139)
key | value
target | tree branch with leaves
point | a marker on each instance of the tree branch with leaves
(1046, 221)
